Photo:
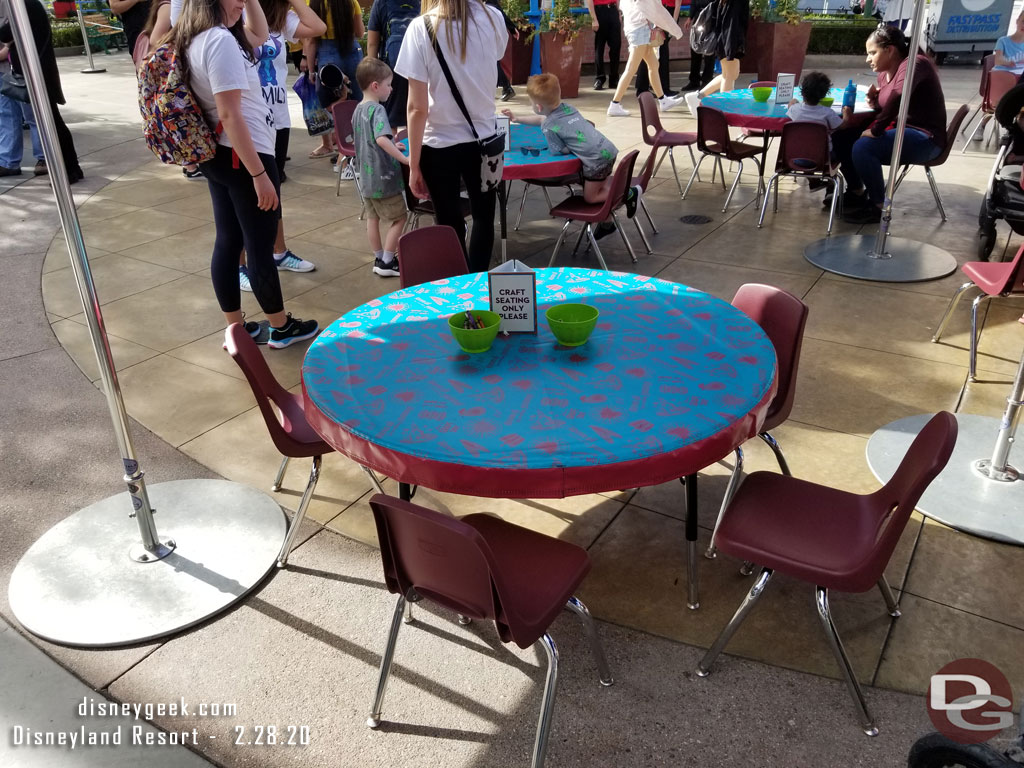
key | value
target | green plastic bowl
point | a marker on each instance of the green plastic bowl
(828, 101)
(761, 93)
(474, 340)
(572, 323)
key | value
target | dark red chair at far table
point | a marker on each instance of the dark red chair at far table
(656, 136)
(482, 568)
(643, 180)
(290, 431)
(783, 317)
(713, 140)
(829, 538)
(428, 254)
(341, 112)
(996, 280)
(575, 208)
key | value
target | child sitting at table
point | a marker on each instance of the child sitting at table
(378, 159)
(814, 86)
(568, 132)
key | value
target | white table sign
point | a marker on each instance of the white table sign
(502, 126)
(784, 88)
(513, 292)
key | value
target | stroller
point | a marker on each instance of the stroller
(1004, 198)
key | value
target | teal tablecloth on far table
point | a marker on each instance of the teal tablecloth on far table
(743, 112)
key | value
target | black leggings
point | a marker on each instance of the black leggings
(609, 32)
(442, 170)
(241, 224)
(281, 150)
(67, 144)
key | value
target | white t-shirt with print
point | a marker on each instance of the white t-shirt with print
(273, 69)
(218, 64)
(475, 77)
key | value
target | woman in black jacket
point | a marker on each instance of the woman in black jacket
(39, 21)
(731, 24)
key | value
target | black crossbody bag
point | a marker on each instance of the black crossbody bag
(492, 149)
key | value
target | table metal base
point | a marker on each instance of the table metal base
(77, 585)
(908, 261)
(960, 496)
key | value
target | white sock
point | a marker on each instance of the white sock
(279, 256)
(388, 257)
(378, 255)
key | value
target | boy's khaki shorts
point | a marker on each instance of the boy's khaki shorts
(387, 208)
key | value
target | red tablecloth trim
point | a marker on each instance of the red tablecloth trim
(571, 164)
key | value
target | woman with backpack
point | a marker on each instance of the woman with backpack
(730, 25)
(215, 53)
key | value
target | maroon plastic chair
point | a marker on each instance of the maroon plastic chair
(803, 151)
(290, 431)
(656, 136)
(429, 254)
(995, 280)
(987, 62)
(341, 112)
(713, 140)
(642, 181)
(829, 538)
(783, 317)
(951, 131)
(545, 184)
(575, 208)
(482, 568)
(995, 83)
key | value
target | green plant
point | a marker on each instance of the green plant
(516, 11)
(562, 20)
(840, 38)
(775, 11)
(66, 35)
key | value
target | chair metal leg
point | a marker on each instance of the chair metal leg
(672, 159)
(373, 479)
(300, 513)
(408, 618)
(903, 174)
(693, 159)
(777, 450)
(647, 213)
(643, 235)
(690, 525)
(558, 242)
(625, 240)
(967, 122)
(721, 172)
(821, 601)
(935, 191)
(972, 369)
(597, 250)
(696, 169)
(522, 205)
(661, 160)
(579, 239)
(891, 604)
(547, 197)
(604, 673)
(547, 707)
(337, 183)
(837, 197)
(949, 309)
(734, 482)
(704, 667)
(385, 664)
(764, 203)
(732, 189)
(280, 474)
(464, 621)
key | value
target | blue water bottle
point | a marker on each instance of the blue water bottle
(850, 96)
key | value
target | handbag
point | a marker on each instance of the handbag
(492, 149)
(704, 32)
(318, 120)
(13, 87)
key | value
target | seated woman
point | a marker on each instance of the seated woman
(863, 151)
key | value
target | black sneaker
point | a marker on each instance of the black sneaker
(632, 198)
(195, 174)
(869, 214)
(507, 94)
(40, 169)
(260, 331)
(386, 268)
(604, 229)
(294, 330)
(599, 83)
(5, 171)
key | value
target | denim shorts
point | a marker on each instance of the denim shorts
(328, 53)
(638, 36)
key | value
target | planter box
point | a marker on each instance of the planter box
(72, 50)
(780, 48)
(563, 60)
(517, 59)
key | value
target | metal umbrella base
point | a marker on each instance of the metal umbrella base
(78, 584)
(905, 261)
(960, 496)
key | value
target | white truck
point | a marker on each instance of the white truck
(966, 26)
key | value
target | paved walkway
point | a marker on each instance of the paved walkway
(303, 651)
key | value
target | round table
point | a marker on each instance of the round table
(742, 111)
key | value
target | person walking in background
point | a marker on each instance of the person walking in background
(217, 61)
(133, 15)
(643, 81)
(339, 46)
(386, 29)
(443, 147)
(604, 19)
(642, 19)
(12, 143)
(702, 68)
(731, 21)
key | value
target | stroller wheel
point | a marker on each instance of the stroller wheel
(986, 242)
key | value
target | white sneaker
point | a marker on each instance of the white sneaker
(292, 263)
(668, 102)
(615, 109)
(243, 279)
(692, 101)
(349, 173)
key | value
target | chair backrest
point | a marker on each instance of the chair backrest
(951, 132)
(999, 83)
(783, 317)
(1014, 274)
(430, 253)
(650, 120)
(763, 84)
(648, 170)
(987, 62)
(290, 432)
(620, 182)
(803, 148)
(895, 501)
(342, 112)
(712, 128)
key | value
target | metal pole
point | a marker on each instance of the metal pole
(151, 548)
(901, 124)
(997, 468)
(85, 39)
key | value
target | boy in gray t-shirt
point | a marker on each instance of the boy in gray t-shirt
(568, 132)
(379, 163)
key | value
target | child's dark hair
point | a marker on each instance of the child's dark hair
(814, 87)
(370, 71)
